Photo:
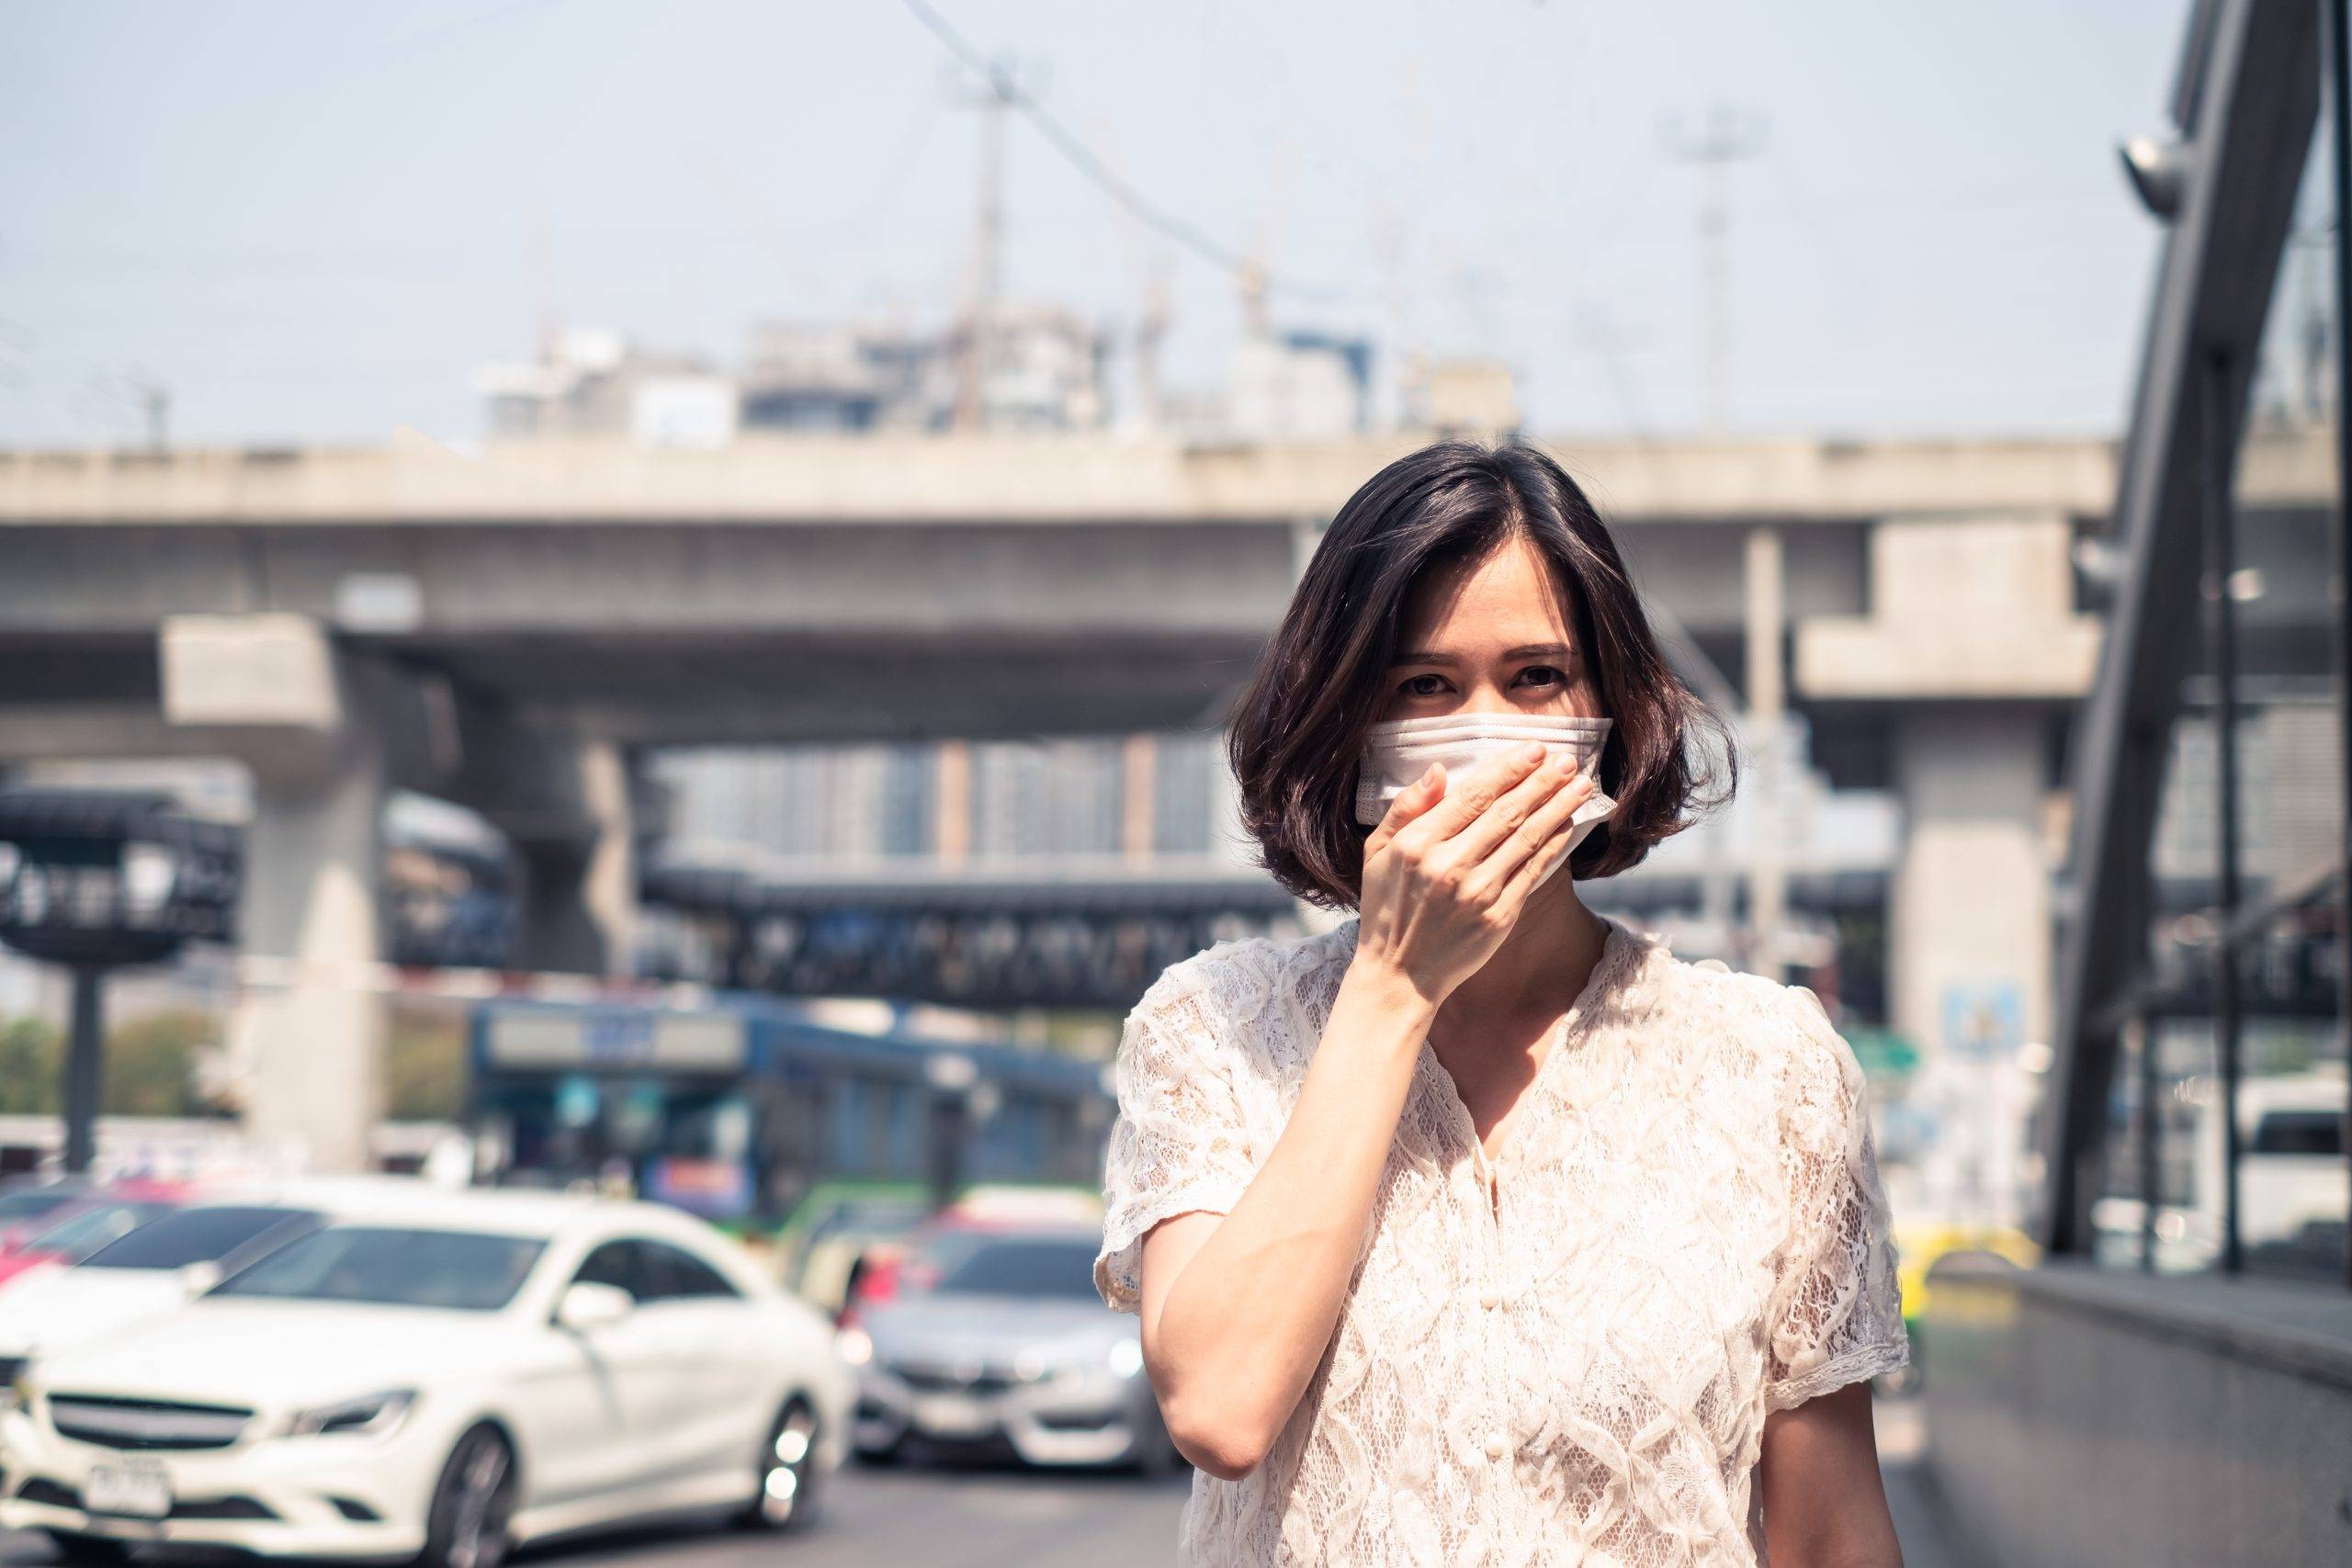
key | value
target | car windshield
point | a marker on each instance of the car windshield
(18, 1207)
(212, 1233)
(460, 1270)
(1015, 1266)
(87, 1229)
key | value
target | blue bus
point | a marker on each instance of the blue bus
(738, 1109)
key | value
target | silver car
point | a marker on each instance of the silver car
(998, 1338)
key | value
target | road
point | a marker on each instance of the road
(990, 1515)
(959, 1517)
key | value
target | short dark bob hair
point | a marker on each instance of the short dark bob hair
(1298, 728)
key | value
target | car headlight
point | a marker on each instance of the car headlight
(855, 1346)
(371, 1416)
(1126, 1358)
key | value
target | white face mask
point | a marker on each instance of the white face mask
(1399, 751)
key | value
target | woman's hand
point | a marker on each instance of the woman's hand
(1445, 872)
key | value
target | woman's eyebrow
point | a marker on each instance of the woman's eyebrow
(1524, 650)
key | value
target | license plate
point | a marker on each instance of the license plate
(136, 1494)
(952, 1415)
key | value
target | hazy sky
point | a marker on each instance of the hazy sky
(310, 221)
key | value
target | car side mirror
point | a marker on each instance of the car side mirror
(587, 1307)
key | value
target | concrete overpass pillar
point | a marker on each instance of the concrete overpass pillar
(1766, 593)
(317, 730)
(1970, 913)
(1972, 639)
(311, 1038)
(578, 910)
(952, 812)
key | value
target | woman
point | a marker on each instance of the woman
(1480, 1229)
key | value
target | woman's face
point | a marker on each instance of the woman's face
(1492, 636)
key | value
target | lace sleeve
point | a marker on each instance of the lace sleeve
(1836, 1311)
(1179, 1142)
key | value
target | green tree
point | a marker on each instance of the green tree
(424, 1066)
(151, 1064)
(30, 1066)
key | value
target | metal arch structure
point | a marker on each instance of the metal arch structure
(2246, 105)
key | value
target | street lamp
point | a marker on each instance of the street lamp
(2158, 170)
(99, 881)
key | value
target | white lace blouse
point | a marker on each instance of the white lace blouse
(1691, 1232)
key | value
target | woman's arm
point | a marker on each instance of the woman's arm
(1836, 1313)
(1238, 1308)
(1825, 1503)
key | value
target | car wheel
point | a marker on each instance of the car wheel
(473, 1503)
(786, 1484)
(881, 1456)
(88, 1551)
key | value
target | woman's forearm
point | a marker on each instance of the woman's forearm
(1244, 1322)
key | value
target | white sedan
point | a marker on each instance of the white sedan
(155, 1265)
(441, 1377)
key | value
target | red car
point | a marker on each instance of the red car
(72, 1233)
(28, 1207)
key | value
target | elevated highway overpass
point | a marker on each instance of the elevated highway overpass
(509, 629)
(790, 589)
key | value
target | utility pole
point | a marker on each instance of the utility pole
(988, 244)
(138, 393)
(1730, 136)
(154, 402)
(542, 249)
(1282, 175)
(1152, 330)
(1153, 270)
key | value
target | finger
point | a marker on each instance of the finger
(1407, 804)
(1521, 857)
(1511, 810)
(1474, 791)
(1520, 884)
(1515, 891)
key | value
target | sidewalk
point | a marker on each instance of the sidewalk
(1920, 1523)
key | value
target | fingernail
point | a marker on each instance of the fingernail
(1532, 753)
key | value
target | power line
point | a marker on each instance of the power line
(1075, 151)
(976, 354)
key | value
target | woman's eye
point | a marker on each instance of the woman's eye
(1420, 686)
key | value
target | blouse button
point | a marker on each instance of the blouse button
(1489, 1299)
(1497, 1444)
